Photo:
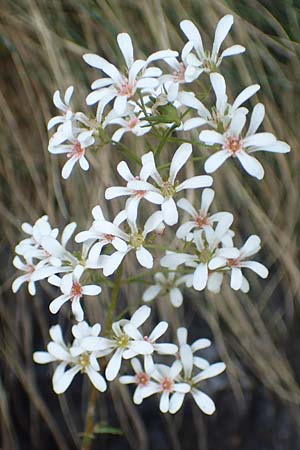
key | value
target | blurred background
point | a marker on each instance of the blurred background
(256, 334)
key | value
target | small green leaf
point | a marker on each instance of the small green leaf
(103, 428)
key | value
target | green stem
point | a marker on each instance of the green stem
(89, 423)
(164, 140)
(114, 299)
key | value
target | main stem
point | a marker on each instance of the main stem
(89, 422)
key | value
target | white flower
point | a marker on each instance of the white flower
(76, 357)
(33, 272)
(237, 279)
(203, 401)
(149, 192)
(129, 122)
(75, 151)
(209, 61)
(222, 112)
(170, 187)
(136, 240)
(120, 342)
(160, 348)
(122, 87)
(31, 246)
(96, 238)
(67, 118)
(72, 290)
(141, 379)
(199, 344)
(201, 218)
(55, 250)
(182, 73)
(208, 253)
(236, 146)
(166, 285)
(166, 384)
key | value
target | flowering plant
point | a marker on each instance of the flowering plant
(146, 99)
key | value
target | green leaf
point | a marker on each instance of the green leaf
(103, 428)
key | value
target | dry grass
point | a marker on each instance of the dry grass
(41, 43)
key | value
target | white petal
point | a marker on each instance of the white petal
(164, 402)
(260, 139)
(233, 50)
(125, 44)
(192, 33)
(211, 137)
(200, 344)
(43, 357)
(236, 278)
(61, 384)
(152, 222)
(196, 182)
(257, 117)
(120, 104)
(114, 364)
(132, 331)
(169, 210)
(97, 379)
(219, 86)
(144, 257)
(127, 379)
(216, 160)
(176, 297)
(124, 171)
(101, 63)
(251, 165)
(91, 289)
(151, 292)
(158, 331)
(193, 123)
(251, 246)
(176, 402)
(221, 32)
(68, 167)
(18, 282)
(179, 159)
(140, 316)
(182, 335)
(210, 372)
(57, 303)
(186, 357)
(56, 334)
(200, 277)
(204, 402)
(84, 164)
(58, 351)
(245, 95)
(257, 267)
(237, 122)
(112, 262)
(141, 347)
(67, 233)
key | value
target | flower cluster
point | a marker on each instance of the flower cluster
(148, 96)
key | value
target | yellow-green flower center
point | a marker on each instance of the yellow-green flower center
(136, 240)
(123, 340)
(84, 361)
(168, 189)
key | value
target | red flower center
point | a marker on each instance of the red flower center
(167, 384)
(233, 144)
(77, 151)
(142, 378)
(76, 290)
(126, 89)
